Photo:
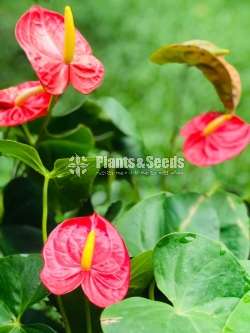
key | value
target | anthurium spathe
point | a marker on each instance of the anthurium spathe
(213, 137)
(23, 103)
(59, 54)
(87, 252)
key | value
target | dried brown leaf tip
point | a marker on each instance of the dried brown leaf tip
(210, 60)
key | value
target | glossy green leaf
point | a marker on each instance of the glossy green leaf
(203, 270)
(156, 216)
(144, 224)
(141, 273)
(20, 288)
(239, 320)
(24, 153)
(121, 118)
(234, 222)
(70, 101)
(200, 277)
(221, 216)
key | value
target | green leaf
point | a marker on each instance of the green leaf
(7, 166)
(70, 101)
(137, 314)
(105, 195)
(13, 239)
(24, 153)
(26, 196)
(20, 287)
(77, 141)
(156, 216)
(121, 118)
(239, 320)
(113, 210)
(73, 180)
(234, 222)
(202, 270)
(246, 265)
(221, 216)
(200, 277)
(112, 125)
(144, 224)
(37, 328)
(141, 273)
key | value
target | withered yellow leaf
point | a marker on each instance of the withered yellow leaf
(210, 60)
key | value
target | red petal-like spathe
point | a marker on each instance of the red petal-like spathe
(34, 107)
(40, 32)
(227, 141)
(108, 279)
(86, 73)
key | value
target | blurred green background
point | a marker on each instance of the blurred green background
(123, 33)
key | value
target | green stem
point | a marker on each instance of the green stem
(28, 134)
(151, 291)
(88, 316)
(46, 121)
(64, 316)
(45, 236)
(45, 208)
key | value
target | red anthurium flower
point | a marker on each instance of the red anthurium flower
(87, 251)
(212, 138)
(57, 51)
(23, 103)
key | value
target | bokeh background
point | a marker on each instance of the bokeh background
(123, 33)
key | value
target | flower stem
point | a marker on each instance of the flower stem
(28, 134)
(46, 120)
(45, 208)
(64, 316)
(45, 236)
(88, 316)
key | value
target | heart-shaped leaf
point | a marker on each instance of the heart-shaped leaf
(200, 277)
(24, 153)
(209, 59)
(221, 216)
(20, 288)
